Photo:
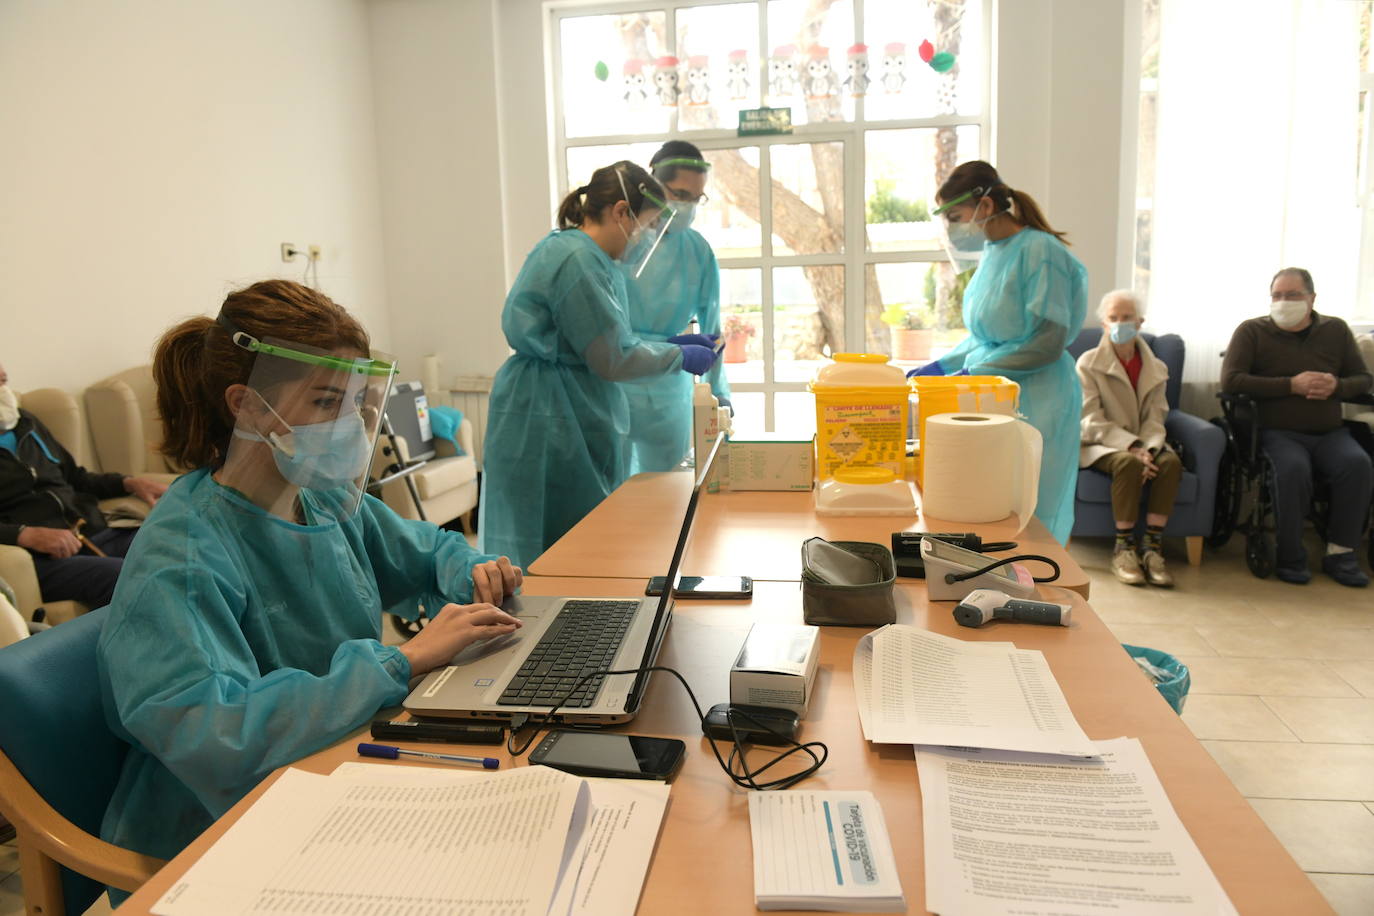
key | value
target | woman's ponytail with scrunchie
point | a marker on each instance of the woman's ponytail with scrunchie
(571, 212)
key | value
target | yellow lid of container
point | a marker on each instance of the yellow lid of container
(859, 370)
(865, 475)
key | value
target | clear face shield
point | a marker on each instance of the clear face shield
(306, 428)
(683, 201)
(961, 235)
(652, 222)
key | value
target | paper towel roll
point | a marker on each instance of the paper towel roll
(980, 468)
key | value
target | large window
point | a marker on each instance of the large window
(824, 235)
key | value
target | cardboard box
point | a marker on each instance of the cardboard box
(776, 667)
(770, 461)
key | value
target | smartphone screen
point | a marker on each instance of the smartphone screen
(705, 587)
(606, 754)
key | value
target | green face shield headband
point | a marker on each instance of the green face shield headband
(965, 197)
(250, 343)
(696, 165)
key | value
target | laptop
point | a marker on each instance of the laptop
(562, 640)
(407, 410)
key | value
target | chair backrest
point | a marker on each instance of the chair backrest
(1168, 347)
(52, 727)
(61, 414)
(125, 426)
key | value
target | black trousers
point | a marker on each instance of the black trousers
(1346, 468)
(85, 577)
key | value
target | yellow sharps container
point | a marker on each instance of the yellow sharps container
(861, 415)
(936, 394)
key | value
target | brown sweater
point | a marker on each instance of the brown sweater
(1262, 359)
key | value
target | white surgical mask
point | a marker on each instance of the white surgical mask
(685, 214)
(1123, 331)
(966, 236)
(1287, 313)
(9, 408)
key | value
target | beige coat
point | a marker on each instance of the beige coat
(1115, 415)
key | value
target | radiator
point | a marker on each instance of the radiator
(469, 394)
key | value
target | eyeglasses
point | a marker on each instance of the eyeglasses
(687, 197)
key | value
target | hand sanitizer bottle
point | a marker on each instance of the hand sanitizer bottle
(708, 419)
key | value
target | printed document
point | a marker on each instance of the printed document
(931, 689)
(1009, 833)
(400, 842)
(822, 851)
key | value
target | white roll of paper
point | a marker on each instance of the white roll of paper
(980, 468)
(429, 377)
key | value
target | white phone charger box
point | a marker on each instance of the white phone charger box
(776, 667)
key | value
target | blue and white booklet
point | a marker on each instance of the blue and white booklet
(822, 851)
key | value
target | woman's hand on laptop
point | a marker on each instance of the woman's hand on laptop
(495, 580)
(452, 630)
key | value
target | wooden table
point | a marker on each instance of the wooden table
(703, 864)
(632, 533)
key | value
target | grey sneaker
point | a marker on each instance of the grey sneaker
(1126, 567)
(1156, 573)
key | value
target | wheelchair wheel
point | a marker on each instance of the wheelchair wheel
(1226, 513)
(1259, 554)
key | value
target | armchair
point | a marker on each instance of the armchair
(1203, 445)
(445, 483)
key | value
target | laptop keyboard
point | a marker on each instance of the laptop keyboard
(583, 638)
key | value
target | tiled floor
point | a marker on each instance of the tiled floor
(1282, 696)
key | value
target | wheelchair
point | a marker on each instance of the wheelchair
(1246, 496)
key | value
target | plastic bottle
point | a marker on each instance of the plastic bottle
(708, 419)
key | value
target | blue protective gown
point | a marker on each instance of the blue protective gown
(1024, 304)
(681, 282)
(557, 420)
(238, 642)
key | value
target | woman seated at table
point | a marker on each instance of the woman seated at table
(245, 631)
(1123, 435)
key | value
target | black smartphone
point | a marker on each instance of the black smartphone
(588, 753)
(705, 587)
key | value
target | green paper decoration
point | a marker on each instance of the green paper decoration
(941, 62)
(602, 71)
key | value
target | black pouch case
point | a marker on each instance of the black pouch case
(847, 583)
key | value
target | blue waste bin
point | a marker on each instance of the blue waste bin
(1169, 674)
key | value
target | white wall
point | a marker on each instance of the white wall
(1060, 122)
(439, 152)
(156, 154)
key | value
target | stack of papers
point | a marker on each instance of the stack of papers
(822, 851)
(917, 687)
(1007, 833)
(393, 839)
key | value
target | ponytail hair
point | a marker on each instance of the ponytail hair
(982, 179)
(196, 361)
(608, 186)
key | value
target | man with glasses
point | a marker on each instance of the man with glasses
(680, 285)
(1299, 366)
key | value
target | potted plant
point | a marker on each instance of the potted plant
(912, 331)
(736, 333)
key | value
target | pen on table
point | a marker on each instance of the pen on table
(390, 752)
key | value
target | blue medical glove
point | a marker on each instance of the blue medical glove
(725, 402)
(931, 368)
(697, 360)
(699, 340)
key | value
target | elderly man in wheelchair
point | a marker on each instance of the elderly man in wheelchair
(1288, 372)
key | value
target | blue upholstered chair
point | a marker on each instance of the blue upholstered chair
(1202, 443)
(58, 769)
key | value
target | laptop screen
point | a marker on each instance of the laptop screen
(670, 582)
(407, 410)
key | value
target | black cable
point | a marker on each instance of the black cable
(746, 779)
(951, 578)
(998, 546)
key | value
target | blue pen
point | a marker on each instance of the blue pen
(391, 753)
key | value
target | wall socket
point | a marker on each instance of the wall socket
(289, 251)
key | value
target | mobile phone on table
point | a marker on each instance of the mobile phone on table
(705, 587)
(588, 753)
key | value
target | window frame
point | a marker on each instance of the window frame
(851, 134)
